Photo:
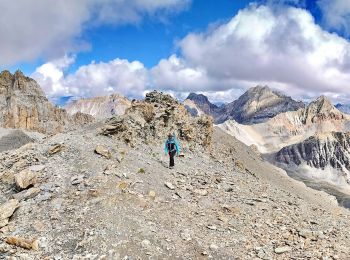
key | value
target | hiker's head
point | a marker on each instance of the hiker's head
(170, 136)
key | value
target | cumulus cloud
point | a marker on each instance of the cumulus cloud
(336, 14)
(50, 28)
(95, 79)
(282, 47)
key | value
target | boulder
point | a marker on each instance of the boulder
(30, 244)
(104, 151)
(6, 211)
(26, 178)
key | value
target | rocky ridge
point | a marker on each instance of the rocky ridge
(291, 127)
(152, 119)
(24, 105)
(100, 107)
(221, 203)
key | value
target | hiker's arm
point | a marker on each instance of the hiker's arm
(166, 147)
(177, 146)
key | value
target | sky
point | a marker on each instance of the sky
(87, 48)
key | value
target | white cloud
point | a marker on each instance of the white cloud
(51, 28)
(95, 79)
(336, 14)
(281, 47)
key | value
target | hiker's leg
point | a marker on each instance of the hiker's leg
(172, 162)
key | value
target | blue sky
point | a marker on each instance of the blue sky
(178, 46)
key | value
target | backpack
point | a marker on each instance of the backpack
(171, 146)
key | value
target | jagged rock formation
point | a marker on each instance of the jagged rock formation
(343, 108)
(258, 105)
(320, 151)
(24, 105)
(152, 119)
(100, 107)
(291, 127)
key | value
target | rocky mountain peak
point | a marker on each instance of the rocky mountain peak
(24, 105)
(198, 104)
(200, 99)
(257, 105)
(321, 109)
(152, 119)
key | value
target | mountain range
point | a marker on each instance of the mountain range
(256, 105)
(101, 188)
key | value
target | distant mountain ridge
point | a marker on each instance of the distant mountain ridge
(100, 107)
(343, 108)
(256, 105)
(291, 127)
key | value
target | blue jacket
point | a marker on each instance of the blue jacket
(172, 140)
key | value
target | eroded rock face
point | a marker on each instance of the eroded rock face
(24, 105)
(152, 119)
(319, 151)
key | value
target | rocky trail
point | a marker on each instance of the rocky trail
(104, 191)
(125, 204)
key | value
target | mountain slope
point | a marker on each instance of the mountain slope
(217, 203)
(291, 127)
(100, 107)
(24, 105)
(258, 105)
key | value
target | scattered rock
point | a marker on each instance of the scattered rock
(26, 178)
(27, 194)
(283, 249)
(169, 185)
(213, 247)
(104, 151)
(23, 243)
(152, 194)
(6, 211)
(56, 148)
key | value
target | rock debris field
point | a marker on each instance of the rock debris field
(60, 199)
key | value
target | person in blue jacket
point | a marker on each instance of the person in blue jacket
(172, 147)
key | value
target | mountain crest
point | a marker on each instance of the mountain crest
(321, 109)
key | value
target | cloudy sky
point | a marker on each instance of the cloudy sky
(86, 48)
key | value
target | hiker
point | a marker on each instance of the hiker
(171, 147)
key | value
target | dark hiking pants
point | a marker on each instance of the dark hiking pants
(171, 156)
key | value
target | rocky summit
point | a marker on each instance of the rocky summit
(24, 105)
(157, 116)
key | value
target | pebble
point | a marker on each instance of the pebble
(283, 249)
(169, 185)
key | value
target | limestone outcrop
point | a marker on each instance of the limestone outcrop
(159, 114)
